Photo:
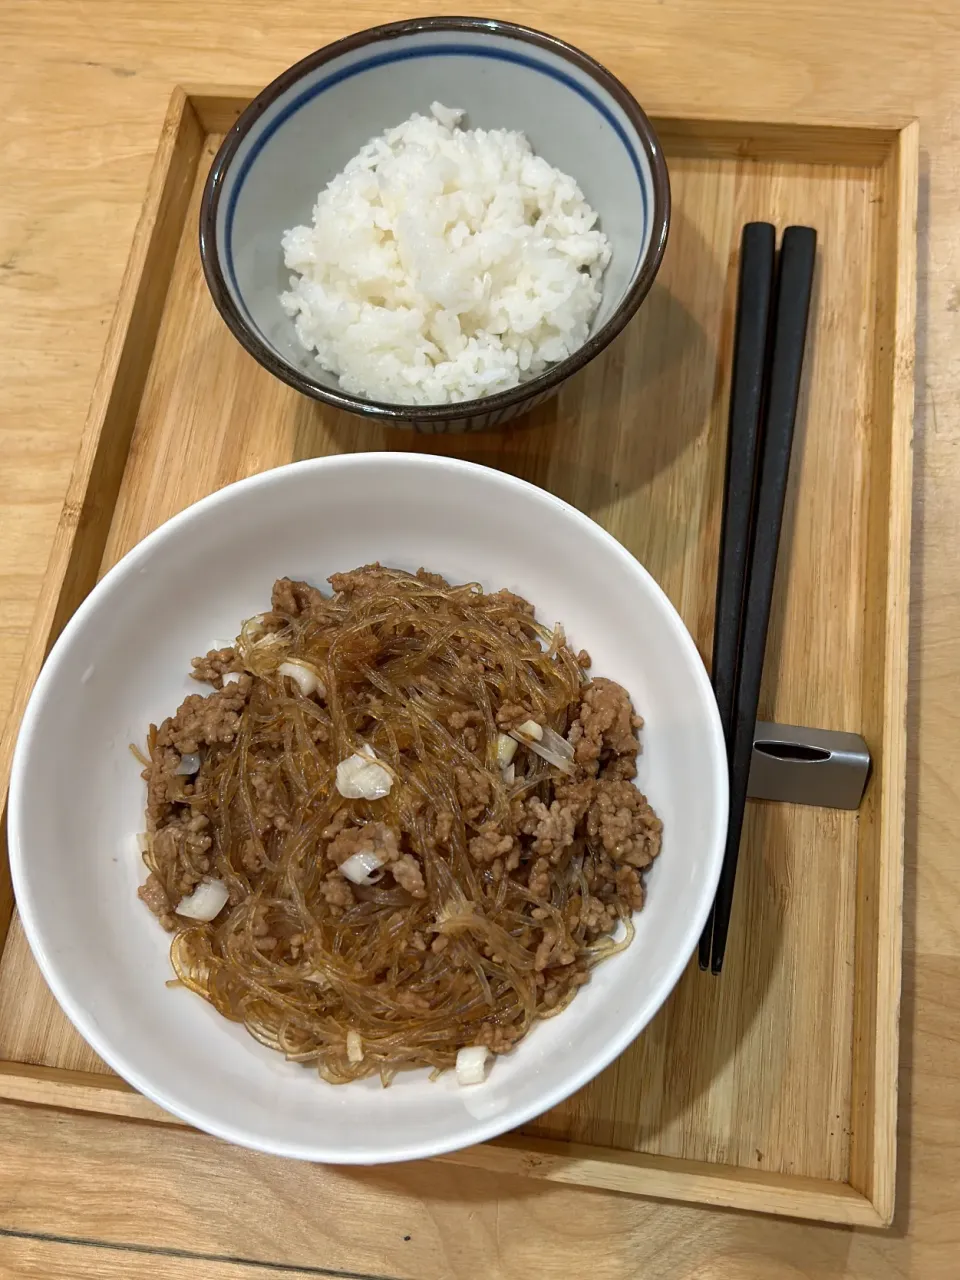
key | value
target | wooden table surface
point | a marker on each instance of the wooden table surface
(84, 87)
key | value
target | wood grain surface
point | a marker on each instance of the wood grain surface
(38, 1257)
(85, 88)
(729, 1097)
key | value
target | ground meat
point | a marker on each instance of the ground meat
(496, 1038)
(181, 853)
(358, 581)
(551, 994)
(511, 714)
(432, 579)
(540, 879)
(462, 722)
(597, 917)
(552, 829)
(408, 875)
(545, 949)
(337, 892)
(203, 721)
(443, 830)
(376, 837)
(270, 800)
(622, 822)
(252, 856)
(458, 720)
(491, 843)
(340, 820)
(154, 895)
(619, 768)
(474, 791)
(515, 602)
(295, 598)
(600, 874)
(164, 786)
(575, 795)
(630, 887)
(214, 665)
(604, 725)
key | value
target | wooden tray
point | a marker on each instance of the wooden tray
(773, 1087)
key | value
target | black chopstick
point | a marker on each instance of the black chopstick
(794, 285)
(758, 244)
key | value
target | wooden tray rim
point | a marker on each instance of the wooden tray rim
(194, 112)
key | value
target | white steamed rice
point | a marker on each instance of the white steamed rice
(444, 264)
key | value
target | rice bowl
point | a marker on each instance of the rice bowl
(302, 130)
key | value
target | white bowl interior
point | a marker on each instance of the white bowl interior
(310, 131)
(76, 798)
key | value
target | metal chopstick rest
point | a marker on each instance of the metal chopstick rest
(821, 767)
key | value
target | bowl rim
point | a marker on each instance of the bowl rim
(114, 1054)
(503, 400)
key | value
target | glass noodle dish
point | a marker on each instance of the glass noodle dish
(400, 829)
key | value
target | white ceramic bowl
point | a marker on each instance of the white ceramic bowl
(76, 798)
